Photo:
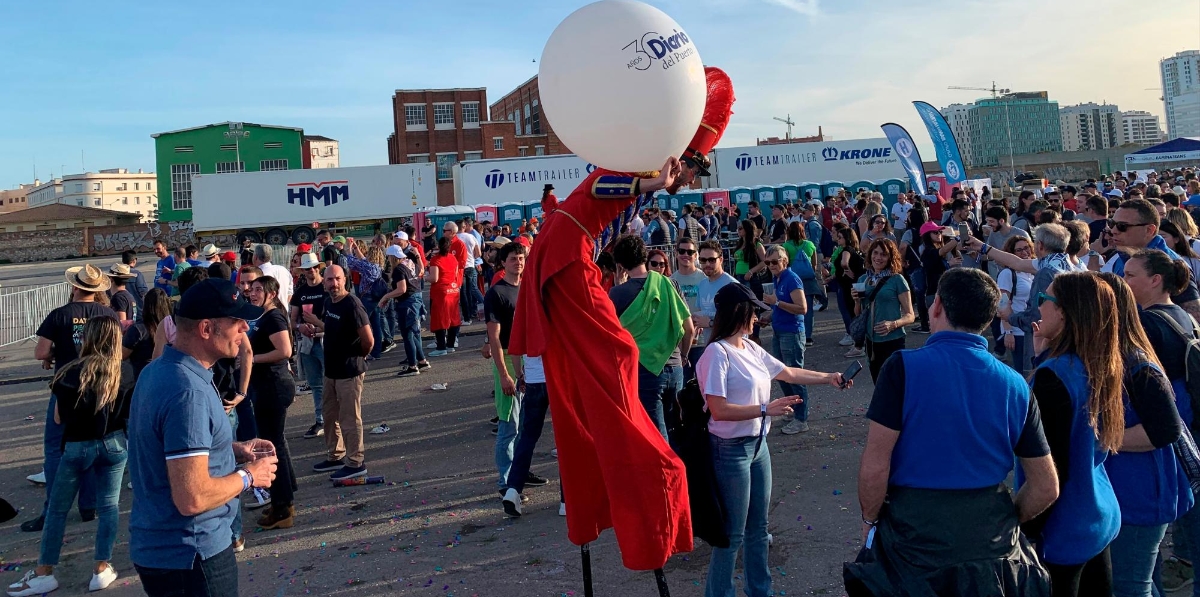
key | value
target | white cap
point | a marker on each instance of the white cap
(402, 235)
(395, 251)
(1178, 190)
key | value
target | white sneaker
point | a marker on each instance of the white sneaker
(796, 426)
(512, 502)
(38, 479)
(262, 497)
(32, 584)
(846, 341)
(855, 353)
(101, 580)
(431, 345)
(562, 509)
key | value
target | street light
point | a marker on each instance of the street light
(236, 133)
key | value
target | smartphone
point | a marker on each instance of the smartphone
(850, 373)
(964, 232)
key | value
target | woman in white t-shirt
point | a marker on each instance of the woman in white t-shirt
(735, 377)
(1014, 288)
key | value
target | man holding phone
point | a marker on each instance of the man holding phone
(939, 449)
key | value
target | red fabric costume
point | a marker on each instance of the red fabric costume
(617, 470)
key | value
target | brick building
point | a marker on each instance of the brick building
(521, 112)
(819, 137)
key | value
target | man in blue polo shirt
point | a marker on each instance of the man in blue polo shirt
(184, 462)
(947, 420)
(1135, 226)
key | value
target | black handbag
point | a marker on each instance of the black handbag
(688, 434)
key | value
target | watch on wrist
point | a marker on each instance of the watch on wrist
(763, 408)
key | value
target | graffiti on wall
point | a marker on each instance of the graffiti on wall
(1068, 172)
(111, 240)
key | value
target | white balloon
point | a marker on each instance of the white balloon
(622, 85)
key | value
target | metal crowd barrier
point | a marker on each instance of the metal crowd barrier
(23, 310)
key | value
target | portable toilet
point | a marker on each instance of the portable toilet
(450, 213)
(891, 189)
(533, 209)
(810, 191)
(486, 213)
(511, 213)
(765, 195)
(862, 185)
(830, 188)
(787, 193)
(740, 196)
(691, 197)
(716, 197)
(660, 200)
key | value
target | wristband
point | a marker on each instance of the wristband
(870, 523)
(763, 408)
(247, 479)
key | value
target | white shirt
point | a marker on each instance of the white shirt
(281, 275)
(472, 245)
(636, 225)
(900, 214)
(1018, 296)
(534, 373)
(740, 376)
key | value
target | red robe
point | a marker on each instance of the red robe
(617, 470)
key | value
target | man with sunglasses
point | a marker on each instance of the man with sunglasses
(1134, 226)
(715, 278)
(686, 275)
(1054, 197)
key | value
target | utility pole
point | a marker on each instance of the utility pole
(996, 93)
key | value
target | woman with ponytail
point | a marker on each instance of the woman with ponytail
(93, 394)
(1077, 385)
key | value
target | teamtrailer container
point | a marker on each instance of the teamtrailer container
(796, 163)
(274, 207)
(519, 180)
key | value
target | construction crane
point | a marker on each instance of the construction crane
(996, 93)
(788, 122)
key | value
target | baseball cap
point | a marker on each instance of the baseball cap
(1115, 193)
(395, 251)
(229, 256)
(734, 293)
(401, 235)
(215, 298)
(339, 239)
(303, 248)
(1178, 190)
(523, 240)
(1069, 189)
(1050, 191)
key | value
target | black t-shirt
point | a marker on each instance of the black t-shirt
(760, 223)
(304, 294)
(779, 230)
(139, 339)
(78, 413)
(64, 327)
(887, 409)
(272, 322)
(123, 302)
(499, 306)
(343, 349)
(409, 277)
(1169, 346)
(934, 266)
(330, 254)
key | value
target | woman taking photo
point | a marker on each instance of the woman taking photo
(735, 378)
(788, 305)
(909, 250)
(93, 394)
(1078, 386)
(272, 391)
(887, 296)
(937, 255)
(443, 276)
(138, 342)
(1014, 291)
(1151, 488)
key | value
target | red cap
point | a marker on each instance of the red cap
(304, 248)
(229, 256)
(523, 240)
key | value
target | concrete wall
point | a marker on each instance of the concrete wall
(41, 245)
(48, 245)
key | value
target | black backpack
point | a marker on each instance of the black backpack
(1191, 356)
(687, 429)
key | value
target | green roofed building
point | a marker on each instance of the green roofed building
(218, 149)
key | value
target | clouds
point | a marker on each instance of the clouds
(804, 7)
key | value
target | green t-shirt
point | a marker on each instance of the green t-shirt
(887, 306)
(805, 246)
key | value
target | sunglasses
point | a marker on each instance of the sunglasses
(658, 264)
(1043, 297)
(709, 259)
(1122, 226)
(687, 252)
(772, 262)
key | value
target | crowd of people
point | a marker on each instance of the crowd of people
(1088, 293)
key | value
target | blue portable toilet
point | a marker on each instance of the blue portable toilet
(449, 213)
(891, 189)
(862, 185)
(533, 209)
(787, 193)
(830, 188)
(739, 197)
(691, 197)
(511, 213)
(765, 195)
(812, 190)
(661, 200)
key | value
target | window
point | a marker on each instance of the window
(184, 149)
(149, 186)
(316, 152)
(537, 119)
(470, 114)
(418, 158)
(472, 155)
(270, 165)
(137, 200)
(528, 129)
(137, 186)
(444, 162)
(443, 115)
(414, 117)
(273, 145)
(517, 122)
(181, 185)
(522, 151)
(124, 200)
(96, 202)
(79, 187)
(539, 150)
(229, 147)
(227, 167)
(498, 143)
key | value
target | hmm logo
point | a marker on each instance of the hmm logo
(743, 162)
(494, 178)
(308, 193)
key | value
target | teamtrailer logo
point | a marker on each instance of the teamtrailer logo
(745, 161)
(652, 47)
(308, 194)
(496, 177)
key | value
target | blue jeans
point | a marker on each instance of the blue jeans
(657, 390)
(215, 577)
(235, 527)
(1186, 533)
(376, 319)
(534, 406)
(470, 298)
(743, 477)
(102, 460)
(845, 306)
(506, 439)
(391, 325)
(1134, 552)
(314, 373)
(408, 312)
(808, 316)
(788, 347)
(1017, 354)
(53, 452)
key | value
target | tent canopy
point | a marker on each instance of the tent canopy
(1179, 149)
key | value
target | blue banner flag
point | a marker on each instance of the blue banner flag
(910, 158)
(943, 143)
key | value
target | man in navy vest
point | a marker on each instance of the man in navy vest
(947, 420)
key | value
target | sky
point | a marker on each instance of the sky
(85, 84)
